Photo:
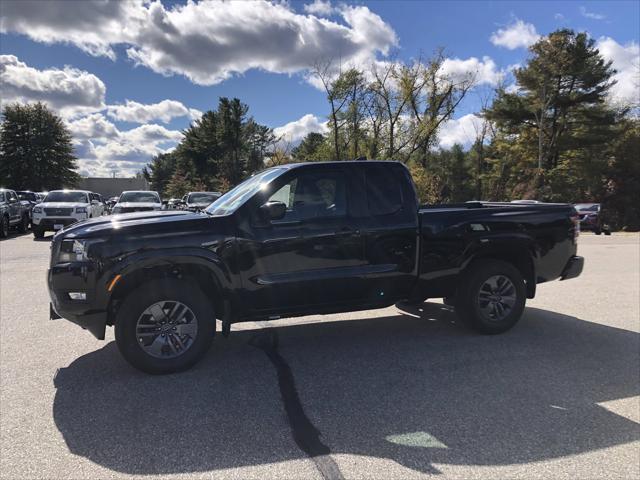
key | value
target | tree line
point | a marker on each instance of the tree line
(553, 135)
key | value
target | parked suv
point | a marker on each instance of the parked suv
(200, 200)
(590, 218)
(97, 204)
(61, 208)
(13, 213)
(137, 201)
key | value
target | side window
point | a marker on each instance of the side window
(12, 196)
(313, 195)
(384, 190)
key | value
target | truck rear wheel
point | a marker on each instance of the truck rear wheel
(491, 296)
(164, 326)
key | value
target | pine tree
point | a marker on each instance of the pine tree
(36, 151)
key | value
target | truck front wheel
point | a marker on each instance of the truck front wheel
(164, 326)
(491, 296)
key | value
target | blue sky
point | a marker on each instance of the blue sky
(87, 59)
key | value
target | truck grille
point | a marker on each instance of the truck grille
(58, 212)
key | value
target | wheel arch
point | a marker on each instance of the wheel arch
(201, 273)
(520, 256)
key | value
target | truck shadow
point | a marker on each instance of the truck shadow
(416, 388)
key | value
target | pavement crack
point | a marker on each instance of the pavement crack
(305, 434)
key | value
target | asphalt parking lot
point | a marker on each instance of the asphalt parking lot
(379, 394)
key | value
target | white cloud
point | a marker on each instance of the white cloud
(206, 41)
(165, 111)
(321, 8)
(517, 35)
(484, 71)
(102, 148)
(512, 88)
(69, 91)
(592, 15)
(626, 60)
(294, 132)
(558, 16)
(93, 127)
(92, 25)
(461, 131)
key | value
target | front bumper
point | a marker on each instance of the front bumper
(91, 313)
(48, 223)
(573, 268)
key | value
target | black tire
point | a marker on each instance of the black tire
(607, 232)
(37, 232)
(468, 302)
(597, 231)
(4, 226)
(158, 291)
(24, 224)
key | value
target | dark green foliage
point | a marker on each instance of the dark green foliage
(309, 148)
(36, 151)
(557, 127)
(217, 151)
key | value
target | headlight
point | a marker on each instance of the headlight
(75, 250)
(72, 251)
(37, 209)
(81, 210)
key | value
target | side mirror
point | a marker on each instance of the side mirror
(273, 210)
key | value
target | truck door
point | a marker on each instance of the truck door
(314, 256)
(389, 228)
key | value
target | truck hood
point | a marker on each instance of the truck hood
(138, 205)
(137, 223)
(62, 205)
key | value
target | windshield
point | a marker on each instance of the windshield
(234, 198)
(148, 197)
(202, 197)
(67, 197)
(27, 196)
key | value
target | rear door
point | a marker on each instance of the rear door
(390, 231)
(314, 256)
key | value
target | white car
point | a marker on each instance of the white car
(61, 208)
(137, 201)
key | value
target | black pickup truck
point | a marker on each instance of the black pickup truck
(296, 240)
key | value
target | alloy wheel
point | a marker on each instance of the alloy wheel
(496, 298)
(166, 329)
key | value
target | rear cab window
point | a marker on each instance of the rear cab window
(383, 190)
